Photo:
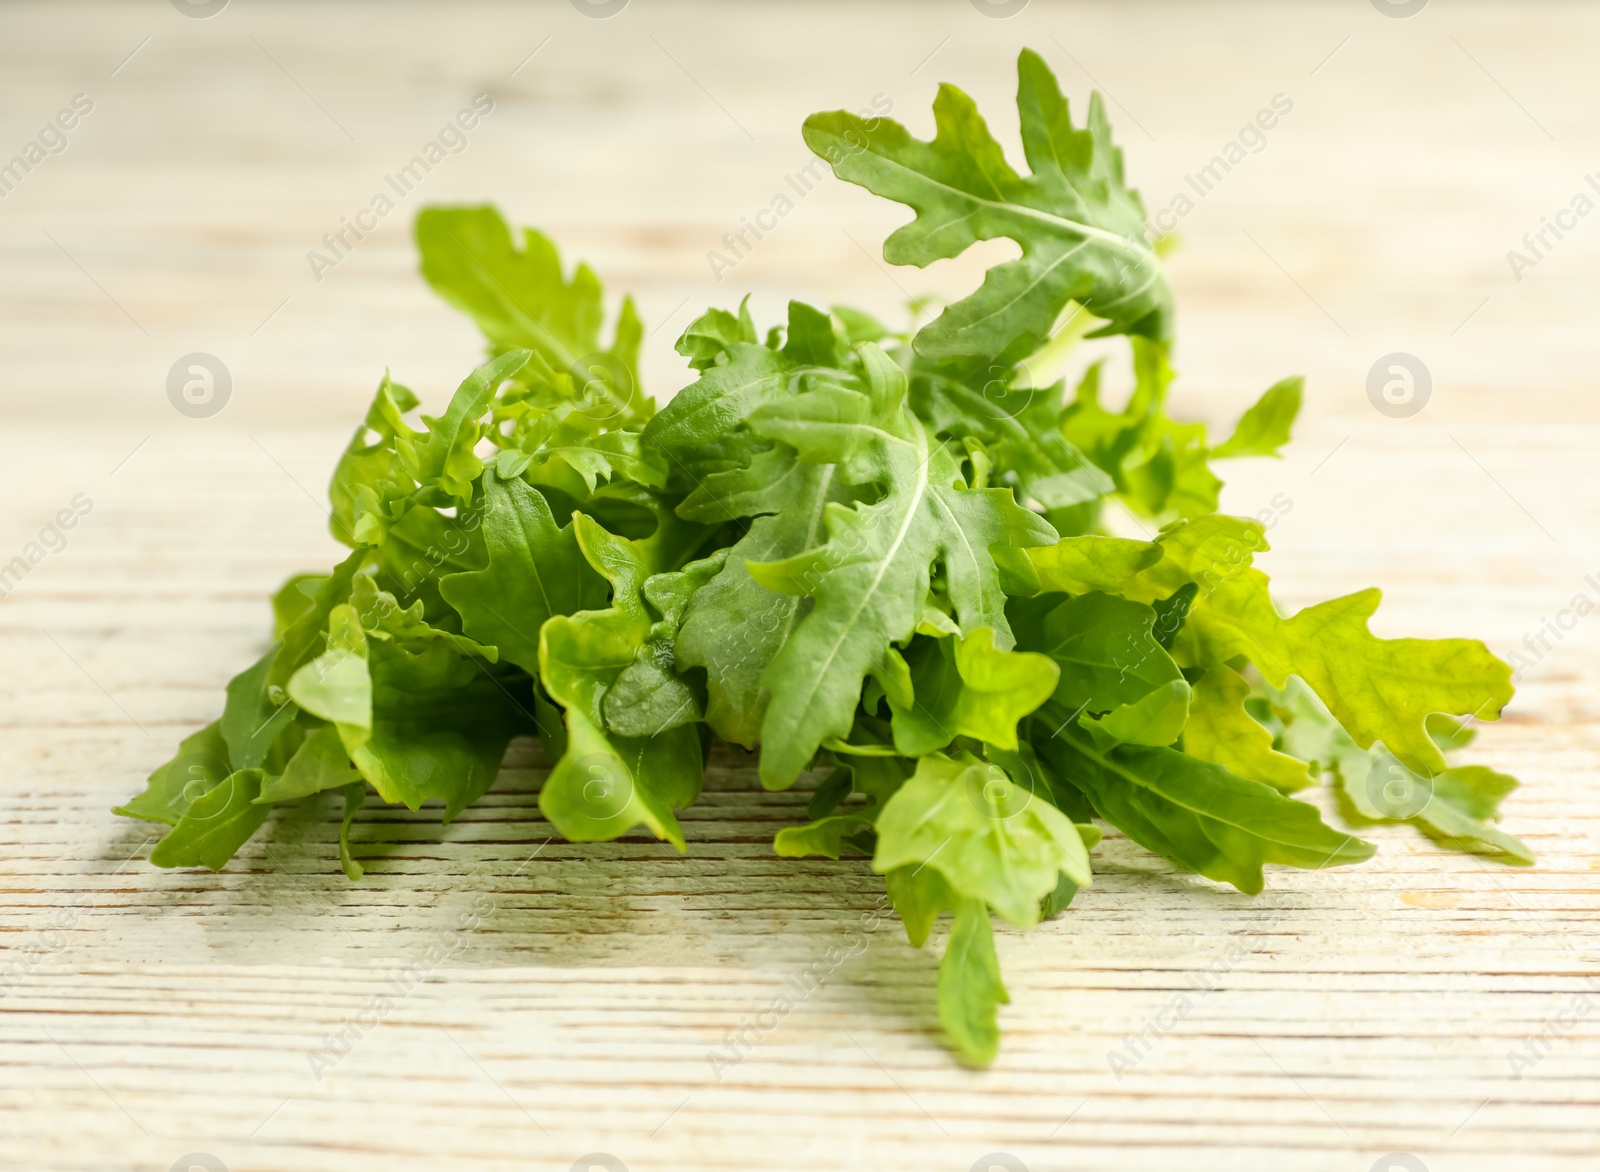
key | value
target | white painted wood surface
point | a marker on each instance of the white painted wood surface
(1368, 1011)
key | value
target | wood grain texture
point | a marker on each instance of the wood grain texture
(564, 1000)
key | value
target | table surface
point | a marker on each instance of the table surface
(1338, 1018)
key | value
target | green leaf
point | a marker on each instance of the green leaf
(215, 825)
(304, 636)
(200, 765)
(1454, 807)
(810, 338)
(251, 723)
(870, 580)
(1106, 651)
(355, 795)
(520, 299)
(604, 786)
(1198, 814)
(705, 411)
(1465, 799)
(535, 570)
(1017, 426)
(1159, 466)
(1264, 428)
(1156, 719)
(1080, 228)
(1378, 689)
(826, 836)
(1079, 565)
(714, 333)
(419, 716)
(320, 763)
(293, 599)
(919, 894)
(970, 989)
(1221, 730)
(991, 839)
(733, 626)
(967, 687)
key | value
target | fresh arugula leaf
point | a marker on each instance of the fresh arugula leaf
(215, 824)
(1081, 229)
(1220, 729)
(1264, 428)
(320, 763)
(534, 570)
(604, 786)
(869, 581)
(1198, 814)
(970, 989)
(1106, 650)
(965, 686)
(1378, 689)
(826, 836)
(1078, 565)
(733, 626)
(520, 299)
(1157, 719)
(201, 764)
(1453, 807)
(991, 839)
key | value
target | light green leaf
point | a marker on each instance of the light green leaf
(826, 836)
(1078, 565)
(991, 839)
(320, 763)
(1221, 730)
(733, 626)
(355, 795)
(1156, 719)
(970, 989)
(919, 894)
(1454, 807)
(200, 765)
(714, 333)
(964, 686)
(1106, 651)
(1378, 689)
(1264, 428)
(519, 298)
(215, 825)
(604, 786)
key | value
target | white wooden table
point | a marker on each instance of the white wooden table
(146, 1014)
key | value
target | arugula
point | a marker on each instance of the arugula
(878, 557)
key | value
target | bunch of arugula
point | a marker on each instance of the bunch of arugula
(878, 557)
